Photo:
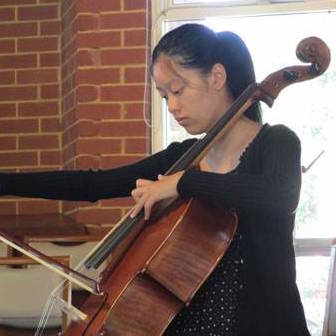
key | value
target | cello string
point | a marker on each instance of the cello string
(45, 315)
(55, 300)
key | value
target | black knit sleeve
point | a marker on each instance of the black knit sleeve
(90, 185)
(274, 188)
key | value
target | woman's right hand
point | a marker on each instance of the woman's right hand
(148, 192)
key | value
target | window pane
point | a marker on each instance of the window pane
(313, 289)
(308, 108)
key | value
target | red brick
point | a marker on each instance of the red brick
(50, 60)
(135, 37)
(99, 39)
(17, 2)
(38, 142)
(68, 69)
(38, 109)
(18, 93)
(70, 165)
(98, 146)
(18, 126)
(30, 169)
(68, 208)
(37, 207)
(66, 5)
(37, 13)
(89, 57)
(123, 20)
(50, 158)
(99, 216)
(18, 159)
(8, 170)
(123, 129)
(7, 77)
(70, 133)
(69, 15)
(69, 119)
(87, 22)
(134, 4)
(67, 85)
(68, 101)
(122, 93)
(7, 143)
(7, 46)
(37, 76)
(98, 111)
(137, 111)
(37, 44)
(18, 29)
(50, 91)
(50, 28)
(51, 125)
(87, 162)
(98, 76)
(136, 146)
(125, 56)
(68, 81)
(86, 93)
(114, 161)
(8, 208)
(135, 75)
(98, 6)
(7, 14)
(68, 93)
(88, 128)
(69, 152)
(18, 61)
(70, 50)
(7, 110)
(69, 31)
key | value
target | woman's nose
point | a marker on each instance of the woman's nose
(173, 104)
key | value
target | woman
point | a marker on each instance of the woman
(254, 168)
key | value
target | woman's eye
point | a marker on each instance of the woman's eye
(177, 92)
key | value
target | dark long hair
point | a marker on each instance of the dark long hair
(198, 47)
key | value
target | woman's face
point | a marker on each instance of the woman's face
(195, 100)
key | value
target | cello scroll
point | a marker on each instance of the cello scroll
(310, 50)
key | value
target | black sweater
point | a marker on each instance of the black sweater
(264, 189)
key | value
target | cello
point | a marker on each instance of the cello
(156, 267)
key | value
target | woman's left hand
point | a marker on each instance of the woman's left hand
(148, 192)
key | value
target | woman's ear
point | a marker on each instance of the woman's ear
(218, 76)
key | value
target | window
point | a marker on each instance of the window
(272, 32)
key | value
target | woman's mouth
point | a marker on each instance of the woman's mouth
(182, 121)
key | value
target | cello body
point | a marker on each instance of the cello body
(160, 272)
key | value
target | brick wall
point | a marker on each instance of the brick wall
(29, 94)
(101, 74)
